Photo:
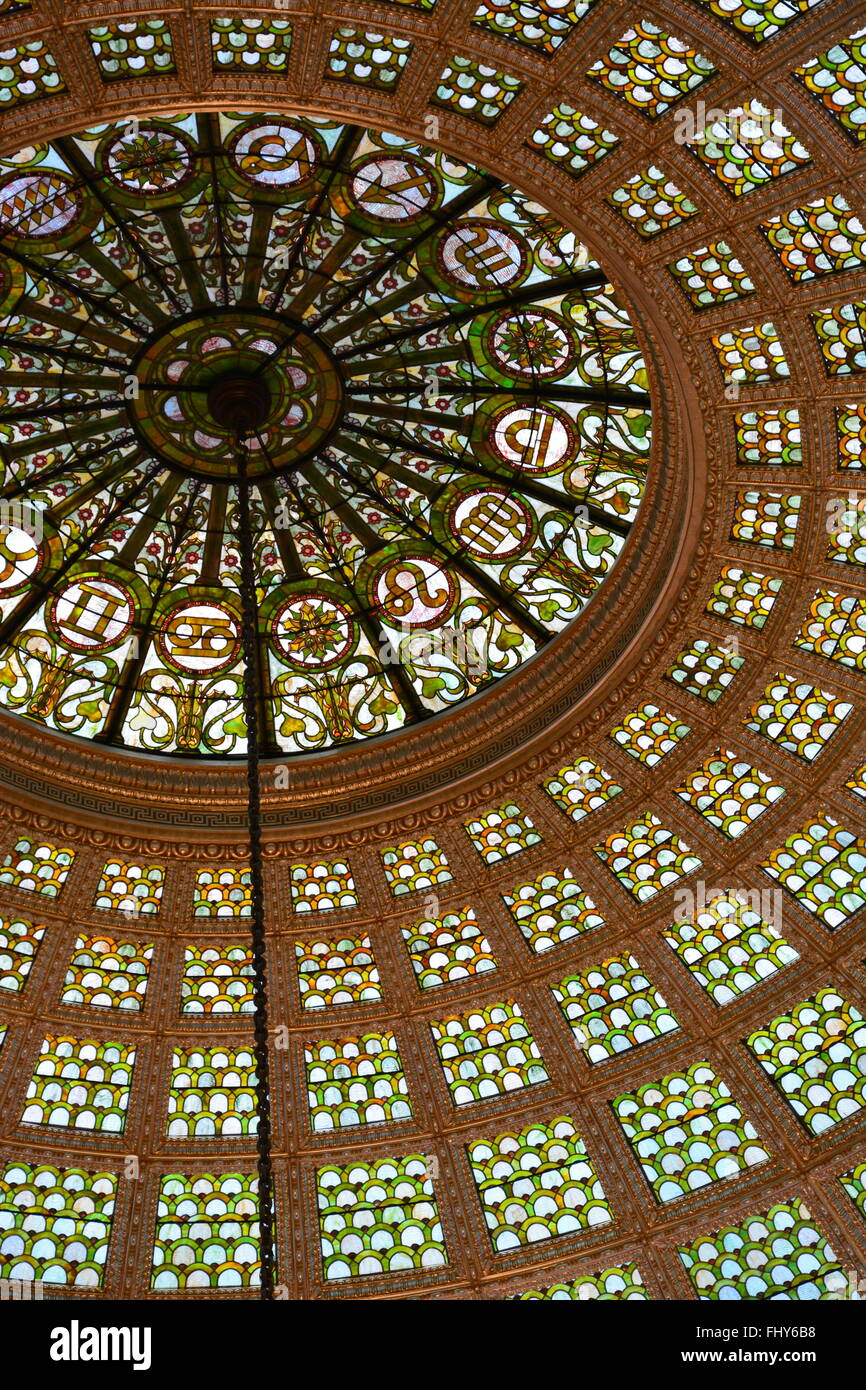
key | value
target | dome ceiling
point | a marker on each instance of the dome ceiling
(567, 985)
(448, 442)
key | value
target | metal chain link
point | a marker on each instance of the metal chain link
(249, 642)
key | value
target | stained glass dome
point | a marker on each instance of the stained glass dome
(445, 418)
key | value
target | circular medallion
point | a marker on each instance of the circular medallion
(312, 631)
(532, 344)
(216, 377)
(481, 255)
(13, 280)
(199, 639)
(146, 160)
(535, 439)
(92, 614)
(414, 590)
(39, 206)
(393, 188)
(20, 558)
(278, 156)
(492, 523)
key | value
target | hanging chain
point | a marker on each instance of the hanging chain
(249, 640)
